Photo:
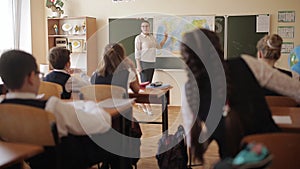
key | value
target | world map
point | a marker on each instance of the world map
(175, 27)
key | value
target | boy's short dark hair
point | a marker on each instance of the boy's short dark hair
(15, 65)
(59, 57)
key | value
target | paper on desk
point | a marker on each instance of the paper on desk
(113, 103)
(282, 119)
(163, 86)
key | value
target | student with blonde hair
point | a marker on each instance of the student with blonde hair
(269, 51)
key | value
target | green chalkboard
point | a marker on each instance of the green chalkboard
(124, 31)
(242, 35)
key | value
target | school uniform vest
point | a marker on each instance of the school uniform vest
(60, 78)
(118, 79)
(268, 92)
(29, 102)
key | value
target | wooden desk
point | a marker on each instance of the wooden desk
(293, 113)
(13, 153)
(155, 96)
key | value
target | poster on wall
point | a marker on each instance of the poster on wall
(286, 31)
(287, 47)
(175, 27)
(286, 16)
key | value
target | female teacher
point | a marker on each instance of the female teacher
(145, 55)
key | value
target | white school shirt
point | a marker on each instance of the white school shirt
(145, 47)
(77, 117)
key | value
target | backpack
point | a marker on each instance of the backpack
(172, 151)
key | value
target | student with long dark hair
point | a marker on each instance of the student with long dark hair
(229, 104)
(116, 68)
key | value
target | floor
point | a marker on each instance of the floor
(152, 133)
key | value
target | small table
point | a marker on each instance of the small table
(13, 153)
(155, 96)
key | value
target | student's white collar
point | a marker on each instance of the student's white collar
(60, 70)
(20, 95)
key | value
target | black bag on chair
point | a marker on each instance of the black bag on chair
(172, 151)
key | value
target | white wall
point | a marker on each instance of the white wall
(104, 9)
(38, 29)
(176, 78)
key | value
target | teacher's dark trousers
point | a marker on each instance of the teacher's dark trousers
(147, 71)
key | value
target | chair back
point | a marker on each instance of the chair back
(281, 101)
(27, 124)
(50, 89)
(101, 92)
(284, 147)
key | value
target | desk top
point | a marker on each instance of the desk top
(293, 113)
(12, 153)
(150, 91)
(152, 96)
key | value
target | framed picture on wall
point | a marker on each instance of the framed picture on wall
(286, 31)
(286, 16)
(287, 47)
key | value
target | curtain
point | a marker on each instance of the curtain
(6, 28)
(16, 17)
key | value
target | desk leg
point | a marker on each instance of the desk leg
(165, 112)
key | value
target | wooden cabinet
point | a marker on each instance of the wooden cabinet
(79, 35)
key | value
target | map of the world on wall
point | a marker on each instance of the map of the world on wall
(176, 26)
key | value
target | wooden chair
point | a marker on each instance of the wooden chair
(284, 147)
(101, 92)
(30, 125)
(27, 124)
(282, 101)
(50, 89)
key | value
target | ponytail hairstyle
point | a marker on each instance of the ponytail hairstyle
(270, 46)
(113, 57)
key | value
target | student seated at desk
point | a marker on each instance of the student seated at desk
(116, 69)
(226, 104)
(59, 59)
(74, 121)
(269, 51)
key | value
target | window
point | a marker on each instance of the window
(6, 28)
(15, 26)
